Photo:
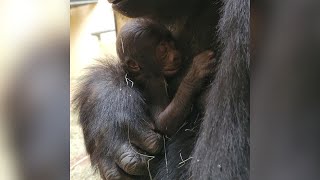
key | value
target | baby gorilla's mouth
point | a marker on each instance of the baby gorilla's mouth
(171, 71)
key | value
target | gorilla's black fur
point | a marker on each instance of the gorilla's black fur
(222, 149)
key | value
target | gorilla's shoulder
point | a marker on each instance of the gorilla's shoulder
(105, 72)
(105, 82)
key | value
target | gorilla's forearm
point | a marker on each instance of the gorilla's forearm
(112, 116)
(104, 99)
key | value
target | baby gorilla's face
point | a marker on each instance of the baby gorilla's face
(168, 57)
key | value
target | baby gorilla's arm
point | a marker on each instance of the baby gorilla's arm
(173, 116)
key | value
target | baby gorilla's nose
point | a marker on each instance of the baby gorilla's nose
(176, 58)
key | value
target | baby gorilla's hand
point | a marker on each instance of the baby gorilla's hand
(202, 66)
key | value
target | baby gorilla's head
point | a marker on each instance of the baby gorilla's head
(146, 48)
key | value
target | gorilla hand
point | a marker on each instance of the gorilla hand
(130, 152)
(202, 66)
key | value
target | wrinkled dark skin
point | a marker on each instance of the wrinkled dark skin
(150, 71)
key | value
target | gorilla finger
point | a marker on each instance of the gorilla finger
(208, 55)
(207, 66)
(130, 161)
(150, 142)
(210, 64)
(110, 171)
(204, 56)
(206, 73)
(213, 62)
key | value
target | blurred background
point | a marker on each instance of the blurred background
(34, 78)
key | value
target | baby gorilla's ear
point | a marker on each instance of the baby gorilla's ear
(132, 65)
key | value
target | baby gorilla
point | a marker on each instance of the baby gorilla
(148, 54)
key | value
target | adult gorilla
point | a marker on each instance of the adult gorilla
(113, 116)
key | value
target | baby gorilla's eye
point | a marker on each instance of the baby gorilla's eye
(162, 50)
